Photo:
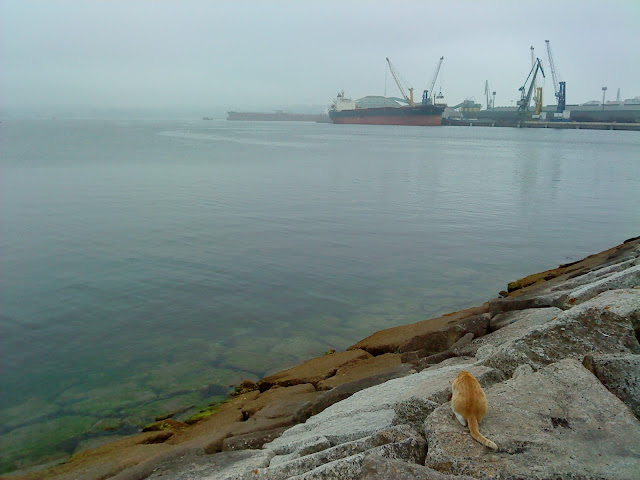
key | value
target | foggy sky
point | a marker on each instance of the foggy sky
(242, 54)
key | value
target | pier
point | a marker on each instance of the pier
(542, 124)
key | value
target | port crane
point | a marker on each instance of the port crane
(560, 87)
(396, 77)
(487, 93)
(525, 98)
(426, 99)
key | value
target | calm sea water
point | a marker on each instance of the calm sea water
(146, 266)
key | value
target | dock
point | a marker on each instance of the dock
(541, 124)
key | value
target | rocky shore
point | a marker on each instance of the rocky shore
(557, 355)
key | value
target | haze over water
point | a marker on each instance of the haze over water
(148, 265)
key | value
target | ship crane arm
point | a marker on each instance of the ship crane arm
(428, 94)
(396, 77)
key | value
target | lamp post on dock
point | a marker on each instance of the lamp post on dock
(604, 90)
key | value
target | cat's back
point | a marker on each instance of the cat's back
(468, 397)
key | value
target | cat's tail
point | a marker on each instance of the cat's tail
(475, 433)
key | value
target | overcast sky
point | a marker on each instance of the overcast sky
(242, 54)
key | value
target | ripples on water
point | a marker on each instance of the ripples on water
(147, 266)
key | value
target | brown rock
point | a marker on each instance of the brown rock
(362, 369)
(462, 342)
(166, 424)
(444, 338)
(414, 336)
(302, 393)
(245, 386)
(569, 270)
(251, 441)
(413, 357)
(298, 410)
(312, 371)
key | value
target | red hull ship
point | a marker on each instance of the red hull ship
(426, 116)
(390, 111)
(384, 111)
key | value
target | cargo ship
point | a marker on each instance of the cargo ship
(384, 111)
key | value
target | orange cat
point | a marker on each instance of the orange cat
(469, 404)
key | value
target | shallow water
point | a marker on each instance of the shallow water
(146, 266)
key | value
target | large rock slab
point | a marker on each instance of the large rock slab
(559, 422)
(519, 323)
(213, 467)
(379, 468)
(596, 274)
(382, 364)
(531, 316)
(372, 410)
(601, 325)
(312, 371)
(251, 441)
(403, 338)
(344, 460)
(345, 390)
(627, 278)
(620, 374)
(536, 299)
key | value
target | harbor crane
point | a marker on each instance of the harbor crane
(487, 93)
(427, 95)
(560, 87)
(526, 93)
(396, 77)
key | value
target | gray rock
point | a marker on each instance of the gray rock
(522, 321)
(620, 374)
(336, 394)
(371, 410)
(252, 440)
(601, 325)
(308, 445)
(380, 468)
(535, 316)
(596, 274)
(559, 422)
(627, 278)
(213, 467)
(344, 460)
(522, 370)
(413, 411)
(528, 300)
(412, 448)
